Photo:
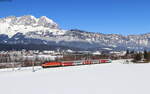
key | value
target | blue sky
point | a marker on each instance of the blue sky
(104, 16)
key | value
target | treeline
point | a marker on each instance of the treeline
(22, 59)
(141, 57)
(137, 56)
(16, 60)
(40, 47)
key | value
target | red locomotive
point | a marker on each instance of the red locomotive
(51, 64)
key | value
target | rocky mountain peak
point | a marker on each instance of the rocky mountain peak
(29, 20)
(12, 25)
(46, 22)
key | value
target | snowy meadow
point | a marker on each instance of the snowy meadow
(112, 78)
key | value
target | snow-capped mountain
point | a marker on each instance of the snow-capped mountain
(31, 30)
(13, 25)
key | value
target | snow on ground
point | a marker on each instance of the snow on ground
(88, 79)
(122, 61)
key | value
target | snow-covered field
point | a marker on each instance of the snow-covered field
(88, 79)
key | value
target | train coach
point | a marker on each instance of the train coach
(87, 62)
(67, 63)
(104, 61)
(78, 62)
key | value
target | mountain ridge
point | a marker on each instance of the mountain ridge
(31, 30)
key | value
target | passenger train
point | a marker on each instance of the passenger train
(74, 63)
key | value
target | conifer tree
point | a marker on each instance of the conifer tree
(138, 57)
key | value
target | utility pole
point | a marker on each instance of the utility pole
(12, 61)
(33, 66)
(33, 61)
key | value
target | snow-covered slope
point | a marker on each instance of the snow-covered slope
(90, 79)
